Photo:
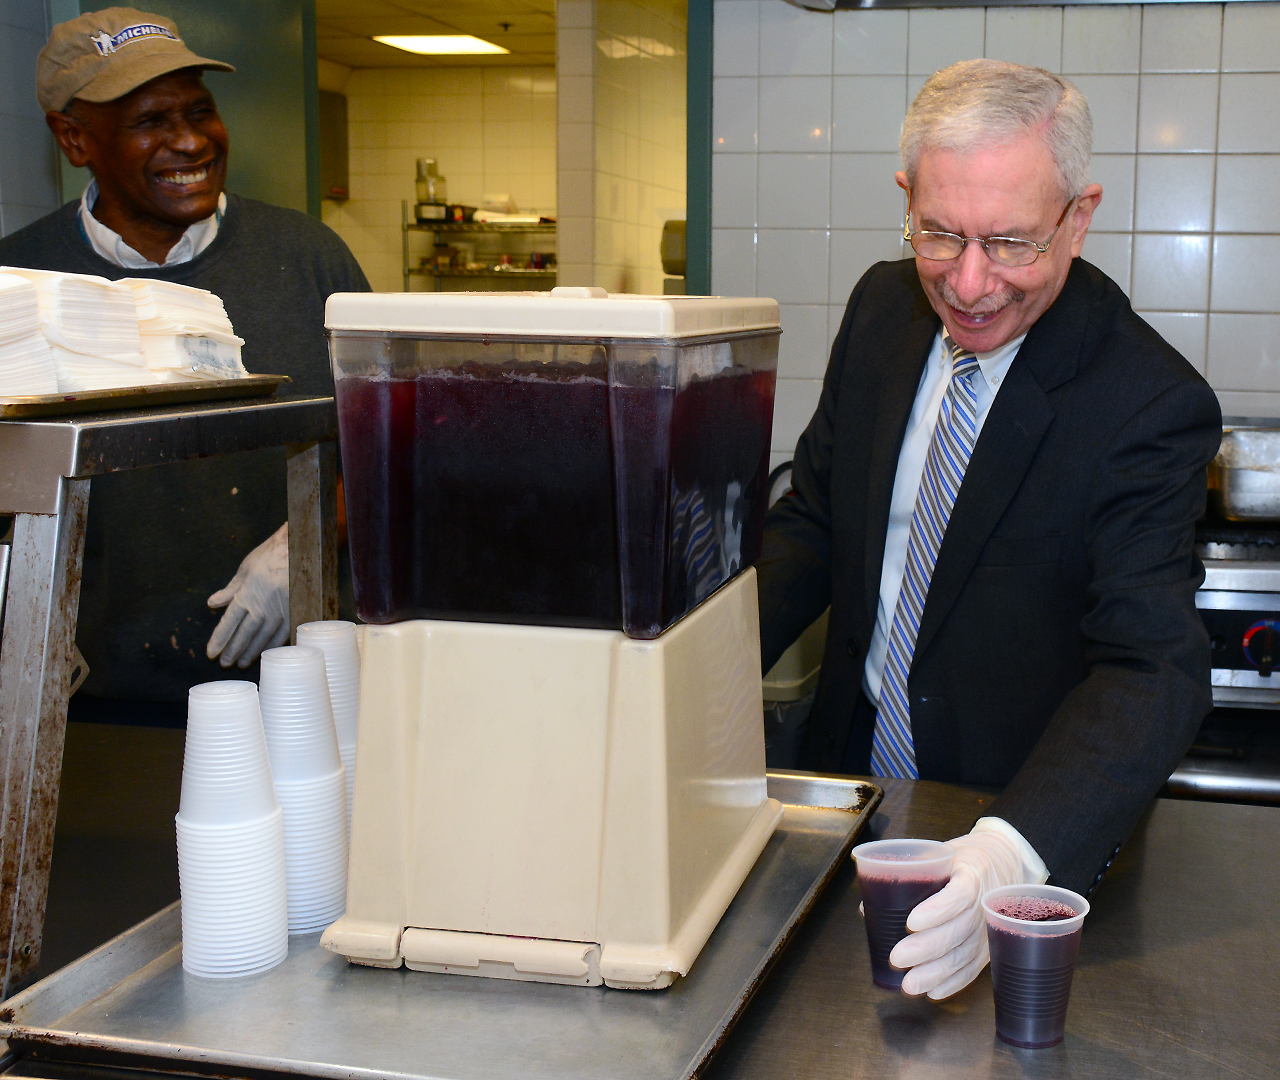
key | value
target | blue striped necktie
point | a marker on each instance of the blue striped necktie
(893, 751)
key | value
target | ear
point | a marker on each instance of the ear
(71, 135)
(901, 177)
(1082, 216)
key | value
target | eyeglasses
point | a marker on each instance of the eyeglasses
(1005, 250)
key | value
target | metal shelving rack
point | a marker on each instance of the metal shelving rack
(472, 228)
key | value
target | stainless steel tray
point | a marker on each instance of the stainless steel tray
(138, 397)
(130, 1003)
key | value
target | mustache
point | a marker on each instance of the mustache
(988, 305)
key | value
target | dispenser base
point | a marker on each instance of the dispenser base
(556, 804)
(575, 963)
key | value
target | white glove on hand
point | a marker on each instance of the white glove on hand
(947, 948)
(257, 603)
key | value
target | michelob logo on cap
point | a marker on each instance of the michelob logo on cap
(106, 43)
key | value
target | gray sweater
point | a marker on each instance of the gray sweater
(161, 540)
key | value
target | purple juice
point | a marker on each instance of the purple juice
(538, 493)
(888, 896)
(1031, 972)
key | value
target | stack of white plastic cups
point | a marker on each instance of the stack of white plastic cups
(230, 838)
(310, 784)
(337, 640)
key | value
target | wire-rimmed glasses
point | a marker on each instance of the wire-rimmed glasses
(1004, 250)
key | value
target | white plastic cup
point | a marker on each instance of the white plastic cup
(339, 642)
(226, 776)
(1034, 934)
(315, 849)
(234, 895)
(894, 876)
(296, 715)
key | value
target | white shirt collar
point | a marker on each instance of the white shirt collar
(994, 365)
(111, 246)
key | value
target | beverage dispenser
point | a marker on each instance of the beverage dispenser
(553, 503)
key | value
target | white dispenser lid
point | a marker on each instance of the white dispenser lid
(563, 312)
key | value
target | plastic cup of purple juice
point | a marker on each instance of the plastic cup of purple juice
(894, 876)
(1034, 934)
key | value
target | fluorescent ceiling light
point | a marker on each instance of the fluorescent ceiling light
(440, 44)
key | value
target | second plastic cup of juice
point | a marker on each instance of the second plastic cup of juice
(894, 876)
(1034, 934)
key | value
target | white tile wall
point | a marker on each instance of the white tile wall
(1174, 193)
(1186, 106)
(490, 129)
(866, 112)
(1247, 186)
(868, 43)
(795, 190)
(795, 114)
(1178, 112)
(1181, 37)
(1101, 40)
(1031, 35)
(936, 38)
(1115, 172)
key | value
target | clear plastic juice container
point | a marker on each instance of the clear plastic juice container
(567, 458)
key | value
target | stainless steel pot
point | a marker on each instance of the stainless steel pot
(1244, 479)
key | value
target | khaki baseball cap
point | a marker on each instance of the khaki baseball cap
(105, 54)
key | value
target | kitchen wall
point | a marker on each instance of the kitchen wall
(1186, 107)
(28, 176)
(490, 129)
(621, 142)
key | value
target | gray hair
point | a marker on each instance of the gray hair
(981, 103)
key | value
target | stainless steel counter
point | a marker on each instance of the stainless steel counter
(1179, 970)
(129, 1002)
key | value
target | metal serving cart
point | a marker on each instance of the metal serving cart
(46, 465)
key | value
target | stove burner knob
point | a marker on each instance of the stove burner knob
(1262, 646)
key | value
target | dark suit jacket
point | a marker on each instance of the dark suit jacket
(1060, 653)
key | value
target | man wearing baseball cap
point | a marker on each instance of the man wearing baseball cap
(125, 96)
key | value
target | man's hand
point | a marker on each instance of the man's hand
(257, 603)
(947, 948)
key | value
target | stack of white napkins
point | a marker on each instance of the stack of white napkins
(26, 361)
(185, 332)
(92, 326)
(65, 333)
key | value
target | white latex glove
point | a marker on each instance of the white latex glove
(947, 947)
(257, 603)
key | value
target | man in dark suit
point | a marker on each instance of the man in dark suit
(997, 496)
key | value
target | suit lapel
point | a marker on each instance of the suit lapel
(897, 396)
(1018, 420)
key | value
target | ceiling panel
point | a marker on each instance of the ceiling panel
(344, 29)
(396, 24)
(327, 9)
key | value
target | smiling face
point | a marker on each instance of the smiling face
(159, 155)
(1007, 190)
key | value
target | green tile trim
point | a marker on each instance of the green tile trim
(698, 179)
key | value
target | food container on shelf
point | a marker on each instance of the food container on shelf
(569, 458)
